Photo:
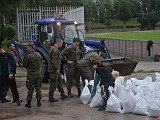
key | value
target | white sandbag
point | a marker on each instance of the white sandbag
(129, 103)
(157, 95)
(154, 109)
(134, 81)
(118, 88)
(139, 90)
(128, 84)
(122, 95)
(113, 104)
(141, 107)
(91, 82)
(140, 83)
(97, 99)
(85, 95)
(150, 96)
(137, 97)
(157, 85)
(157, 76)
(119, 80)
(148, 79)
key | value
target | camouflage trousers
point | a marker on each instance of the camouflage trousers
(73, 76)
(33, 82)
(55, 82)
(86, 72)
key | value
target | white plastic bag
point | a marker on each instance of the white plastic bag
(122, 95)
(141, 107)
(157, 95)
(97, 99)
(85, 95)
(118, 88)
(91, 82)
(150, 96)
(119, 80)
(137, 97)
(128, 83)
(154, 109)
(129, 103)
(113, 104)
(157, 76)
(148, 79)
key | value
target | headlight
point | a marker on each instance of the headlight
(58, 23)
(75, 22)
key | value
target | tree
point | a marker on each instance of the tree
(144, 22)
(6, 10)
(124, 13)
(153, 19)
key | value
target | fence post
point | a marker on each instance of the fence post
(133, 48)
(125, 48)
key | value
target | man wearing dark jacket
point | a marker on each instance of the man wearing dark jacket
(7, 60)
(6, 71)
(107, 77)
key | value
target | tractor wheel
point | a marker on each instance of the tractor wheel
(44, 73)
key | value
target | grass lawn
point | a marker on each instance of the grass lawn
(136, 35)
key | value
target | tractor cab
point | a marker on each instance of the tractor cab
(52, 28)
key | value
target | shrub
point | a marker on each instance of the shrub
(144, 22)
(153, 19)
(10, 31)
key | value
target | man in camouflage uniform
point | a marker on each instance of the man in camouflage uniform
(71, 55)
(54, 65)
(32, 63)
(85, 65)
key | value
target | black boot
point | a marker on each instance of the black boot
(63, 96)
(28, 104)
(70, 94)
(38, 102)
(3, 100)
(53, 100)
(79, 92)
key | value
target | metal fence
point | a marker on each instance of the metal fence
(130, 48)
(26, 17)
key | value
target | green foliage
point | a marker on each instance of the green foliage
(4, 43)
(153, 18)
(10, 31)
(144, 22)
(124, 13)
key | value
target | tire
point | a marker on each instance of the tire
(44, 73)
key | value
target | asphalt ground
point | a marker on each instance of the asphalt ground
(71, 109)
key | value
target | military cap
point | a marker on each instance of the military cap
(103, 55)
(76, 39)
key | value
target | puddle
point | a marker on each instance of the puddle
(24, 112)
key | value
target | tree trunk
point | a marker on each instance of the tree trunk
(124, 25)
(1, 30)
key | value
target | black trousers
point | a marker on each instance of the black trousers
(4, 83)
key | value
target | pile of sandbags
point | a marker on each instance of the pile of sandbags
(133, 96)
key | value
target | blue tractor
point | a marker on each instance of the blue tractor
(51, 28)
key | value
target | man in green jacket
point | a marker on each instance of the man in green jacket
(32, 63)
(54, 65)
(71, 56)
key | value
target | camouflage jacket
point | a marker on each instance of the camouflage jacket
(54, 61)
(71, 53)
(33, 63)
(90, 58)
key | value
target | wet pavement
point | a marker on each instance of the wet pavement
(71, 109)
